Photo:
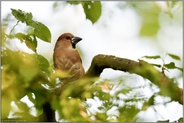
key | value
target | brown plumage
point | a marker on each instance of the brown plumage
(67, 59)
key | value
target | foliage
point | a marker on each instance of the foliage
(92, 9)
(165, 66)
(150, 17)
(39, 29)
(31, 76)
(23, 73)
(180, 120)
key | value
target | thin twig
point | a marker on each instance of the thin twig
(14, 26)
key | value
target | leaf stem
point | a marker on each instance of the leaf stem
(14, 27)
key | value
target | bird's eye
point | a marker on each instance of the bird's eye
(68, 37)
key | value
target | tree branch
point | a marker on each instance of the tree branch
(142, 68)
(48, 114)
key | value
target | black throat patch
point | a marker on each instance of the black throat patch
(73, 45)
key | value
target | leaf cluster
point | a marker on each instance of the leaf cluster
(24, 74)
(165, 66)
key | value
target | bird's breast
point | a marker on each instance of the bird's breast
(70, 61)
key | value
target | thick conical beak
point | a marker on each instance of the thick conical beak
(75, 40)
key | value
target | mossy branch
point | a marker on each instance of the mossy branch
(142, 68)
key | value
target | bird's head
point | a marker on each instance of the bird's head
(68, 39)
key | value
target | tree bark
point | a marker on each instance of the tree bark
(48, 114)
(142, 68)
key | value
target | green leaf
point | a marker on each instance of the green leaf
(173, 3)
(180, 69)
(28, 69)
(22, 37)
(40, 98)
(127, 113)
(101, 107)
(32, 44)
(42, 62)
(30, 97)
(163, 121)
(28, 72)
(73, 2)
(22, 16)
(101, 116)
(19, 15)
(149, 28)
(149, 14)
(22, 106)
(24, 117)
(180, 119)
(174, 56)
(92, 10)
(157, 65)
(55, 104)
(29, 40)
(5, 105)
(151, 100)
(171, 65)
(152, 57)
(41, 31)
(149, 103)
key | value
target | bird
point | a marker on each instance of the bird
(67, 59)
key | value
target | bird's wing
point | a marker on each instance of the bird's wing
(69, 61)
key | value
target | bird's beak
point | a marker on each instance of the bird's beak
(75, 39)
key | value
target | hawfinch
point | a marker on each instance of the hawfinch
(67, 59)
